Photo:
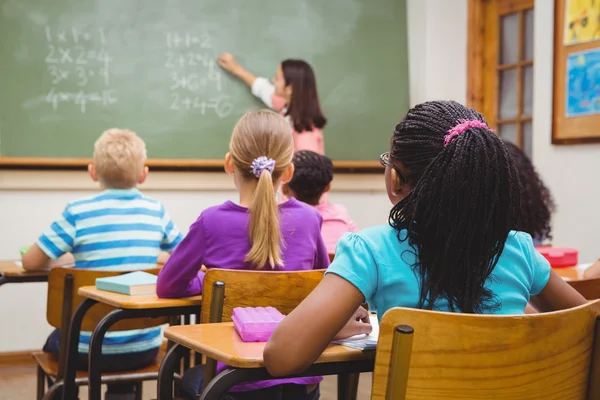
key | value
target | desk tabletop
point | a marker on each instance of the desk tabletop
(13, 269)
(222, 343)
(125, 301)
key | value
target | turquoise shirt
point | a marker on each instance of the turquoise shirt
(381, 267)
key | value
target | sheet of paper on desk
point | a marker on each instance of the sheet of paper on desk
(580, 270)
(363, 342)
(19, 264)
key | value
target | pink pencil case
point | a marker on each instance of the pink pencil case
(559, 257)
(256, 324)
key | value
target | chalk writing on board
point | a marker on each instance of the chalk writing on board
(195, 81)
(81, 98)
(73, 59)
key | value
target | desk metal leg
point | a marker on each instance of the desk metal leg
(70, 388)
(95, 355)
(168, 367)
(94, 361)
(225, 381)
(231, 377)
(347, 386)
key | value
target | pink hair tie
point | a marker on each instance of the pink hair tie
(463, 126)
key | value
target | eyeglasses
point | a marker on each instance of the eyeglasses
(384, 159)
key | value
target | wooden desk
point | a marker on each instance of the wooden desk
(143, 306)
(222, 343)
(11, 272)
(119, 300)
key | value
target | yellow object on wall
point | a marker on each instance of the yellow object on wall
(582, 21)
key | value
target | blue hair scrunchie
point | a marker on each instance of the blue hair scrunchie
(260, 164)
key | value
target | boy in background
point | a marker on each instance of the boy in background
(313, 174)
(116, 229)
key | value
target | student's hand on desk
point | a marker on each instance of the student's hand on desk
(359, 324)
(228, 62)
(593, 271)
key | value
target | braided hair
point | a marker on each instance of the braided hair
(312, 173)
(463, 203)
(537, 204)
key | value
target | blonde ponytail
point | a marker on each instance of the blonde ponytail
(265, 136)
(264, 225)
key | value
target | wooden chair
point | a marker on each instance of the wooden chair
(588, 288)
(63, 284)
(331, 257)
(223, 290)
(437, 356)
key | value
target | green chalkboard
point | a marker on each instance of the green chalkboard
(72, 68)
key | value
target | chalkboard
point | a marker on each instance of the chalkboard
(72, 68)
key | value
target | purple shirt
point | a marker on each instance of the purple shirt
(219, 239)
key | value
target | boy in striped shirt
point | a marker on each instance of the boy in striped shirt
(116, 229)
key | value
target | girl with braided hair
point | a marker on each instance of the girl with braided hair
(537, 204)
(450, 245)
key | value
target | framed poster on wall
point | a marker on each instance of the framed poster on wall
(576, 116)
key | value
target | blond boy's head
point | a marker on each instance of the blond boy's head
(119, 158)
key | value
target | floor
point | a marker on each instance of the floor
(18, 383)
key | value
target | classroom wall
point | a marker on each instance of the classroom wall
(437, 43)
(571, 172)
(30, 199)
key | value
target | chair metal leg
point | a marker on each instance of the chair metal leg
(170, 364)
(55, 391)
(70, 390)
(41, 383)
(400, 363)
(348, 386)
(138, 390)
(187, 356)
(95, 354)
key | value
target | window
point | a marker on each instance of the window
(501, 66)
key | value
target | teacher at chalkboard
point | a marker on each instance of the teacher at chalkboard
(293, 92)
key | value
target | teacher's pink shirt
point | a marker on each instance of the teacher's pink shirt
(306, 140)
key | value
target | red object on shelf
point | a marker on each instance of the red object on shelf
(559, 257)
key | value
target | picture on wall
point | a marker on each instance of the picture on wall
(583, 83)
(582, 22)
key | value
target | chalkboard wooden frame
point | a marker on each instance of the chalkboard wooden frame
(169, 164)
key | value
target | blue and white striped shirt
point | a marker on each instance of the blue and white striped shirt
(114, 230)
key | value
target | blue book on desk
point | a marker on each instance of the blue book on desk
(134, 283)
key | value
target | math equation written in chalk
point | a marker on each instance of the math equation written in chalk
(79, 66)
(194, 77)
(75, 64)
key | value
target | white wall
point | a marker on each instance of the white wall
(437, 34)
(571, 172)
(29, 200)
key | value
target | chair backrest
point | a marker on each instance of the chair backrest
(459, 356)
(588, 288)
(331, 257)
(282, 290)
(61, 301)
